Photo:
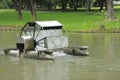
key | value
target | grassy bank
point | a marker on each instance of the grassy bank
(80, 21)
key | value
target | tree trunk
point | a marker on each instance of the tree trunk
(30, 7)
(110, 10)
(74, 3)
(33, 12)
(17, 4)
(64, 4)
(101, 4)
(88, 6)
(49, 4)
(105, 5)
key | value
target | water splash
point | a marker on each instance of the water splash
(2, 52)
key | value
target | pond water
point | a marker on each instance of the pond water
(103, 63)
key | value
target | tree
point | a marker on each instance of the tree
(6, 4)
(64, 4)
(30, 6)
(75, 3)
(87, 5)
(32, 9)
(49, 4)
(110, 10)
(17, 4)
(101, 4)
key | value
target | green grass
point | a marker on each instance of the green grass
(71, 20)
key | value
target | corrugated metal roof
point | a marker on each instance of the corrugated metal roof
(49, 23)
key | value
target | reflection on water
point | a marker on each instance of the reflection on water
(102, 64)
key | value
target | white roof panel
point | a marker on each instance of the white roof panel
(48, 23)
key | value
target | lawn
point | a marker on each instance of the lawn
(82, 21)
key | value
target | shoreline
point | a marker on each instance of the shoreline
(10, 28)
(18, 28)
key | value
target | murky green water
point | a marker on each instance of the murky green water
(102, 64)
